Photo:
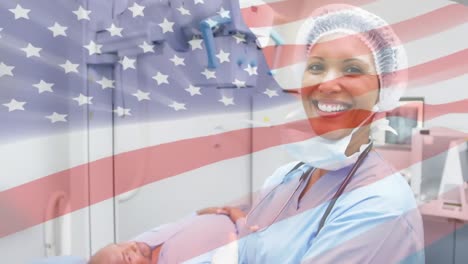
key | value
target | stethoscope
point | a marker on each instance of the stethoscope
(306, 177)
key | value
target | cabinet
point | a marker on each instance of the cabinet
(446, 240)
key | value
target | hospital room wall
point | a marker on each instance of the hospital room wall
(63, 235)
(216, 183)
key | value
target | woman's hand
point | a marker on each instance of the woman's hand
(210, 210)
(234, 213)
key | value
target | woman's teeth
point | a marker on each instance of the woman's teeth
(332, 107)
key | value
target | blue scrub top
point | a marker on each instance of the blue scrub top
(376, 219)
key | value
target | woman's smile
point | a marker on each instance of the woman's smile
(330, 108)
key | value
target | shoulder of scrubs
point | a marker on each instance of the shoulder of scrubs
(278, 175)
(374, 223)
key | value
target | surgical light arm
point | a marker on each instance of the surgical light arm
(206, 28)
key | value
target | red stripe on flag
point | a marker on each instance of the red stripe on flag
(438, 70)
(287, 11)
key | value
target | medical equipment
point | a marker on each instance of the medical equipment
(306, 177)
(235, 24)
(439, 182)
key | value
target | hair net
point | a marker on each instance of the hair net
(389, 56)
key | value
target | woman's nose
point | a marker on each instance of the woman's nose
(330, 83)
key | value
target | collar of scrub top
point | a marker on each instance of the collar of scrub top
(307, 172)
(300, 167)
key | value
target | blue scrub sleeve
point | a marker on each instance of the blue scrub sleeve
(362, 234)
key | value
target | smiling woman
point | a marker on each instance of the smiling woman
(340, 202)
(354, 68)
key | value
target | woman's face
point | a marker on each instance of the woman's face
(340, 85)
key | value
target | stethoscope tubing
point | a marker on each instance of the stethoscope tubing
(343, 185)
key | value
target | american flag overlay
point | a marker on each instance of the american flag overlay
(119, 115)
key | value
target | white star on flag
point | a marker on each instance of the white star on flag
(20, 12)
(58, 30)
(224, 13)
(93, 48)
(183, 11)
(177, 60)
(177, 106)
(223, 56)
(70, 67)
(55, 117)
(122, 111)
(270, 93)
(114, 31)
(198, 2)
(82, 13)
(166, 26)
(82, 99)
(106, 83)
(161, 78)
(251, 70)
(15, 105)
(227, 100)
(137, 10)
(238, 83)
(140, 95)
(239, 37)
(209, 74)
(6, 70)
(196, 44)
(128, 63)
(31, 51)
(193, 90)
(146, 47)
(43, 86)
(211, 22)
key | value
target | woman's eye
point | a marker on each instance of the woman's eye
(315, 68)
(353, 70)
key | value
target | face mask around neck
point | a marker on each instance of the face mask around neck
(315, 150)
